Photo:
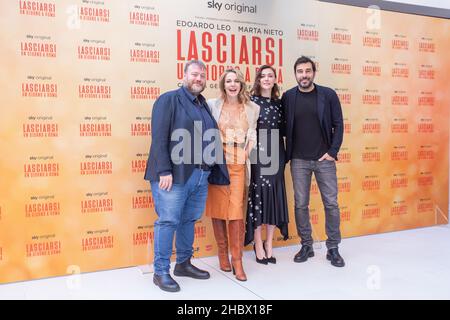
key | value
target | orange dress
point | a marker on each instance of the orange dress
(227, 202)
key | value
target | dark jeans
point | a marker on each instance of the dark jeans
(325, 173)
(178, 210)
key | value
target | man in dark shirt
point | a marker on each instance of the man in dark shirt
(314, 131)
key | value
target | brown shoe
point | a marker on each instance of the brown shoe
(238, 270)
(236, 234)
(220, 233)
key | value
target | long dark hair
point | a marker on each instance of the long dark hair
(256, 90)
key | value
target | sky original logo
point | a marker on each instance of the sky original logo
(238, 8)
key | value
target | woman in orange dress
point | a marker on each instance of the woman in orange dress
(236, 116)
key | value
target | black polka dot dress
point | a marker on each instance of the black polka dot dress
(267, 203)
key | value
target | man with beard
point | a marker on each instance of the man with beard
(179, 167)
(314, 132)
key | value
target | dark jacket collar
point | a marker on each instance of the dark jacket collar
(191, 97)
(186, 103)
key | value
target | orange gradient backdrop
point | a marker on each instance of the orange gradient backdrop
(79, 79)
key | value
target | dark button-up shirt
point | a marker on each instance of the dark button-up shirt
(201, 107)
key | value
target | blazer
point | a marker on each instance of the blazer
(252, 112)
(330, 118)
(171, 111)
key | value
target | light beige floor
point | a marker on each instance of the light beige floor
(413, 264)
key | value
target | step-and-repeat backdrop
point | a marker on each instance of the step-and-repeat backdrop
(79, 77)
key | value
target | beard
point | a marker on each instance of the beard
(305, 85)
(194, 88)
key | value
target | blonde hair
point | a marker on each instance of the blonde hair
(243, 96)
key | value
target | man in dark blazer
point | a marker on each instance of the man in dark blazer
(314, 132)
(180, 165)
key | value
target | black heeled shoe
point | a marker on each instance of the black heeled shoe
(263, 260)
(271, 259)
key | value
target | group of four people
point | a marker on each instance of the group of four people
(226, 157)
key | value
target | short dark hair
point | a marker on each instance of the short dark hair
(302, 60)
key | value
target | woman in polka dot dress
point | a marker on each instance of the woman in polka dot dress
(267, 203)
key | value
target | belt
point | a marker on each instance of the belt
(203, 167)
(234, 144)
